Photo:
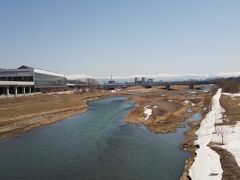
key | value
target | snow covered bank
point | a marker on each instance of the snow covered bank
(206, 165)
(207, 162)
(230, 135)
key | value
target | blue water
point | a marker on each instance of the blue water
(95, 145)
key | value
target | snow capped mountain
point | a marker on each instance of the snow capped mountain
(228, 74)
(78, 76)
(158, 77)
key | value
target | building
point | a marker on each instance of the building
(143, 80)
(135, 80)
(26, 80)
(150, 81)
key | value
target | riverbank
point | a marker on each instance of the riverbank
(191, 136)
(167, 109)
(170, 108)
(215, 146)
(97, 144)
(18, 115)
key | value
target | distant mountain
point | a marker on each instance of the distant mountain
(228, 74)
(78, 76)
(159, 77)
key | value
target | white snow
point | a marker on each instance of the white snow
(207, 162)
(206, 165)
(61, 92)
(147, 112)
(78, 76)
(230, 135)
(192, 92)
(231, 139)
(155, 107)
(205, 91)
(186, 102)
(232, 95)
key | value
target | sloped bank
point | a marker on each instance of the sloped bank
(219, 149)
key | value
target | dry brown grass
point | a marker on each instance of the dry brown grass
(18, 115)
(231, 170)
(170, 111)
(231, 105)
(167, 122)
(11, 108)
(230, 87)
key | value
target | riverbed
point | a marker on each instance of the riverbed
(95, 145)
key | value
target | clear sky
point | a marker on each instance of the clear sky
(121, 37)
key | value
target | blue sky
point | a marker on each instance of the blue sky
(121, 37)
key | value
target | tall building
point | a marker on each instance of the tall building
(143, 80)
(136, 80)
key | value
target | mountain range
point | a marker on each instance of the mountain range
(159, 77)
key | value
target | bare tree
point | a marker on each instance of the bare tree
(221, 133)
(233, 128)
(215, 124)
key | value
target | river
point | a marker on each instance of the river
(95, 145)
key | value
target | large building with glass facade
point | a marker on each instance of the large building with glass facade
(28, 79)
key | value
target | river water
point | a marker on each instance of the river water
(95, 145)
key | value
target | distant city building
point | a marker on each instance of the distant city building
(111, 81)
(136, 80)
(140, 81)
(150, 81)
(91, 82)
(143, 80)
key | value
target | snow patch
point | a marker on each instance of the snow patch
(147, 112)
(232, 95)
(186, 102)
(61, 92)
(192, 92)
